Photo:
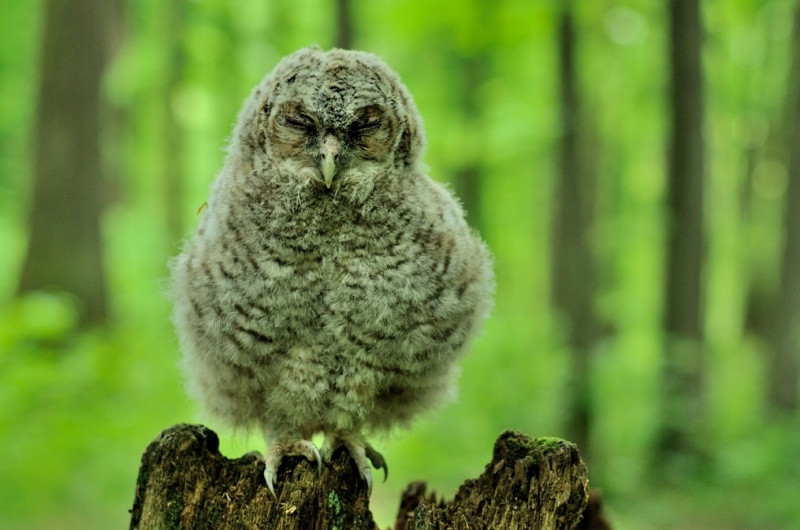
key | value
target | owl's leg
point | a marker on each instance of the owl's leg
(362, 453)
(281, 446)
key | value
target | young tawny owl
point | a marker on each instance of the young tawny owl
(331, 285)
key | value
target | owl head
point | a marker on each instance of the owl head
(331, 117)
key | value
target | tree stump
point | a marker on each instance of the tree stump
(185, 483)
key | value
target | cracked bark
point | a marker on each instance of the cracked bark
(184, 482)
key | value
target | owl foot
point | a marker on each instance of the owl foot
(362, 453)
(280, 448)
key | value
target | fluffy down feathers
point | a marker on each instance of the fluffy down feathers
(331, 285)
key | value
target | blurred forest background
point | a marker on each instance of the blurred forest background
(634, 166)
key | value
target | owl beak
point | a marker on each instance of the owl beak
(330, 151)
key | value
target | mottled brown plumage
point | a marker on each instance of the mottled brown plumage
(331, 284)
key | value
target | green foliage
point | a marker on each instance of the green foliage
(77, 408)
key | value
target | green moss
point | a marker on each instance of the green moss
(517, 446)
(336, 507)
(333, 503)
(173, 513)
(547, 442)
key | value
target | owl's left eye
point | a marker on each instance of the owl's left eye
(302, 123)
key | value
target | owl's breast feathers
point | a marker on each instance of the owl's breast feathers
(385, 268)
(380, 298)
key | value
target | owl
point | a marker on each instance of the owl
(331, 285)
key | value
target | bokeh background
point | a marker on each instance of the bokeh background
(633, 166)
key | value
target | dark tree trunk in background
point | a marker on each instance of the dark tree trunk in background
(769, 146)
(683, 316)
(65, 250)
(760, 294)
(785, 335)
(344, 25)
(172, 169)
(184, 482)
(573, 263)
(468, 175)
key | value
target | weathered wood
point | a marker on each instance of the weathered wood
(530, 483)
(184, 482)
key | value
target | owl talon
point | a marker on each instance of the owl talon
(378, 462)
(328, 447)
(364, 455)
(280, 448)
(367, 476)
(361, 452)
(269, 472)
(269, 476)
(317, 458)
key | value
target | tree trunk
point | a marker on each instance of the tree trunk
(468, 177)
(573, 271)
(785, 362)
(528, 484)
(65, 251)
(172, 148)
(683, 327)
(184, 482)
(344, 25)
